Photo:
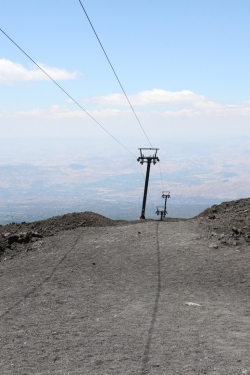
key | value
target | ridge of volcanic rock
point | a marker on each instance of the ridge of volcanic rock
(228, 221)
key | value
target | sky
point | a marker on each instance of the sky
(184, 65)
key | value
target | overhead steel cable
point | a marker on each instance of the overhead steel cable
(114, 72)
(119, 82)
(60, 87)
(161, 176)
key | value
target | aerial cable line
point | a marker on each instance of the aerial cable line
(161, 176)
(60, 87)
(70, 97)
(119, 82)
(115, 73)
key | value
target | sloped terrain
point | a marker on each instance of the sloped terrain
(151, 298)
(22, 237)
(17, 237)
(228, 223)
(103, 297)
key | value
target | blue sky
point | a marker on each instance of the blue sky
(201, 46)
(184, 65)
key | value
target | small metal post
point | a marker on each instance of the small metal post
(166, 195)
(162, 210)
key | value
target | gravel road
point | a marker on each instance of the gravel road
(148, 298)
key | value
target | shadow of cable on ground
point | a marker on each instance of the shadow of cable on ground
(146, 353)
(45, 280)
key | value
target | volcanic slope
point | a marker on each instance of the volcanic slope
(228, 223)
(16, 237)
(149, 298)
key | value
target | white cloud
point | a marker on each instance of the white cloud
(188, 102)
(11, 72)
(57, 111)
(182, 112)
(65, 112)
(148, 97)
(31, 113)
(209, 107)
(201, 110)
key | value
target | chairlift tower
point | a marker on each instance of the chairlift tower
(166, 195)
(162, 210)
(149, 159)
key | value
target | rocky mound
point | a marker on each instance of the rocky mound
(12, 235)
(228, 223)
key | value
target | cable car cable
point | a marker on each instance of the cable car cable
(60, 87)
(114, 72)
(69, 96)
(118, 81)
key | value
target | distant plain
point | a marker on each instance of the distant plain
(40, 178)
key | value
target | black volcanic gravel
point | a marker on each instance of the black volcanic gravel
(228, 223)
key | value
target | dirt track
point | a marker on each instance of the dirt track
(112, 300)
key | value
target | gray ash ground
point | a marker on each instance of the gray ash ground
(82, 295)
(16, 237)
(19, 237)
(227, 224)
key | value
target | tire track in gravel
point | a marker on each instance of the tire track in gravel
(146, 353)
(45, 280)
